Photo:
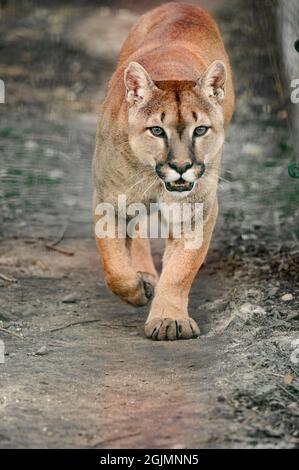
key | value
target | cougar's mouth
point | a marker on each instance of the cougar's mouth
(179, 185)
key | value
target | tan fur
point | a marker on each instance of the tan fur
(173, 72)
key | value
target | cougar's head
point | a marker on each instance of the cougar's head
(176, 127)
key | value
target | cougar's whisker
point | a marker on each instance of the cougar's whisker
(140, 172)
(137, 182)
(223, 179)
(149, 187)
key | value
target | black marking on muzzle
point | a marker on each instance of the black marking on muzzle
(202, 169)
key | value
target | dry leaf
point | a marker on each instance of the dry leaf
(288, 379)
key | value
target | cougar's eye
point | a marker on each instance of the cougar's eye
(157, 131)
(200, 131)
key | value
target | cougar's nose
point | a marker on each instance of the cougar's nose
(180, 167)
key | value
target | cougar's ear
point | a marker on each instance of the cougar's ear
(138, 83)
(213, 81)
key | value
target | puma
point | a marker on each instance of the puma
(159, 138)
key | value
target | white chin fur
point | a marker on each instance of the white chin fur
(179, 195)
(189, 176)
(172, 175)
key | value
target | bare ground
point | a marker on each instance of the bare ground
(78, 371)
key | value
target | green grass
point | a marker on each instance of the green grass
(6, 132)
(30, 179)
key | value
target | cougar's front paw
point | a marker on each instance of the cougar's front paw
(149, 283)
(138, 291)
(163, 329)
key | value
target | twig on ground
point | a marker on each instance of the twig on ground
(90, 321)
(116, 438)
(6, 278)
(4, 330)
(275, 375)
(53, 246)
(288, 392)
(294, 370)
(64, 251)
(61, 236)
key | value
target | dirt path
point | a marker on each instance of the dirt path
(81, 374)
